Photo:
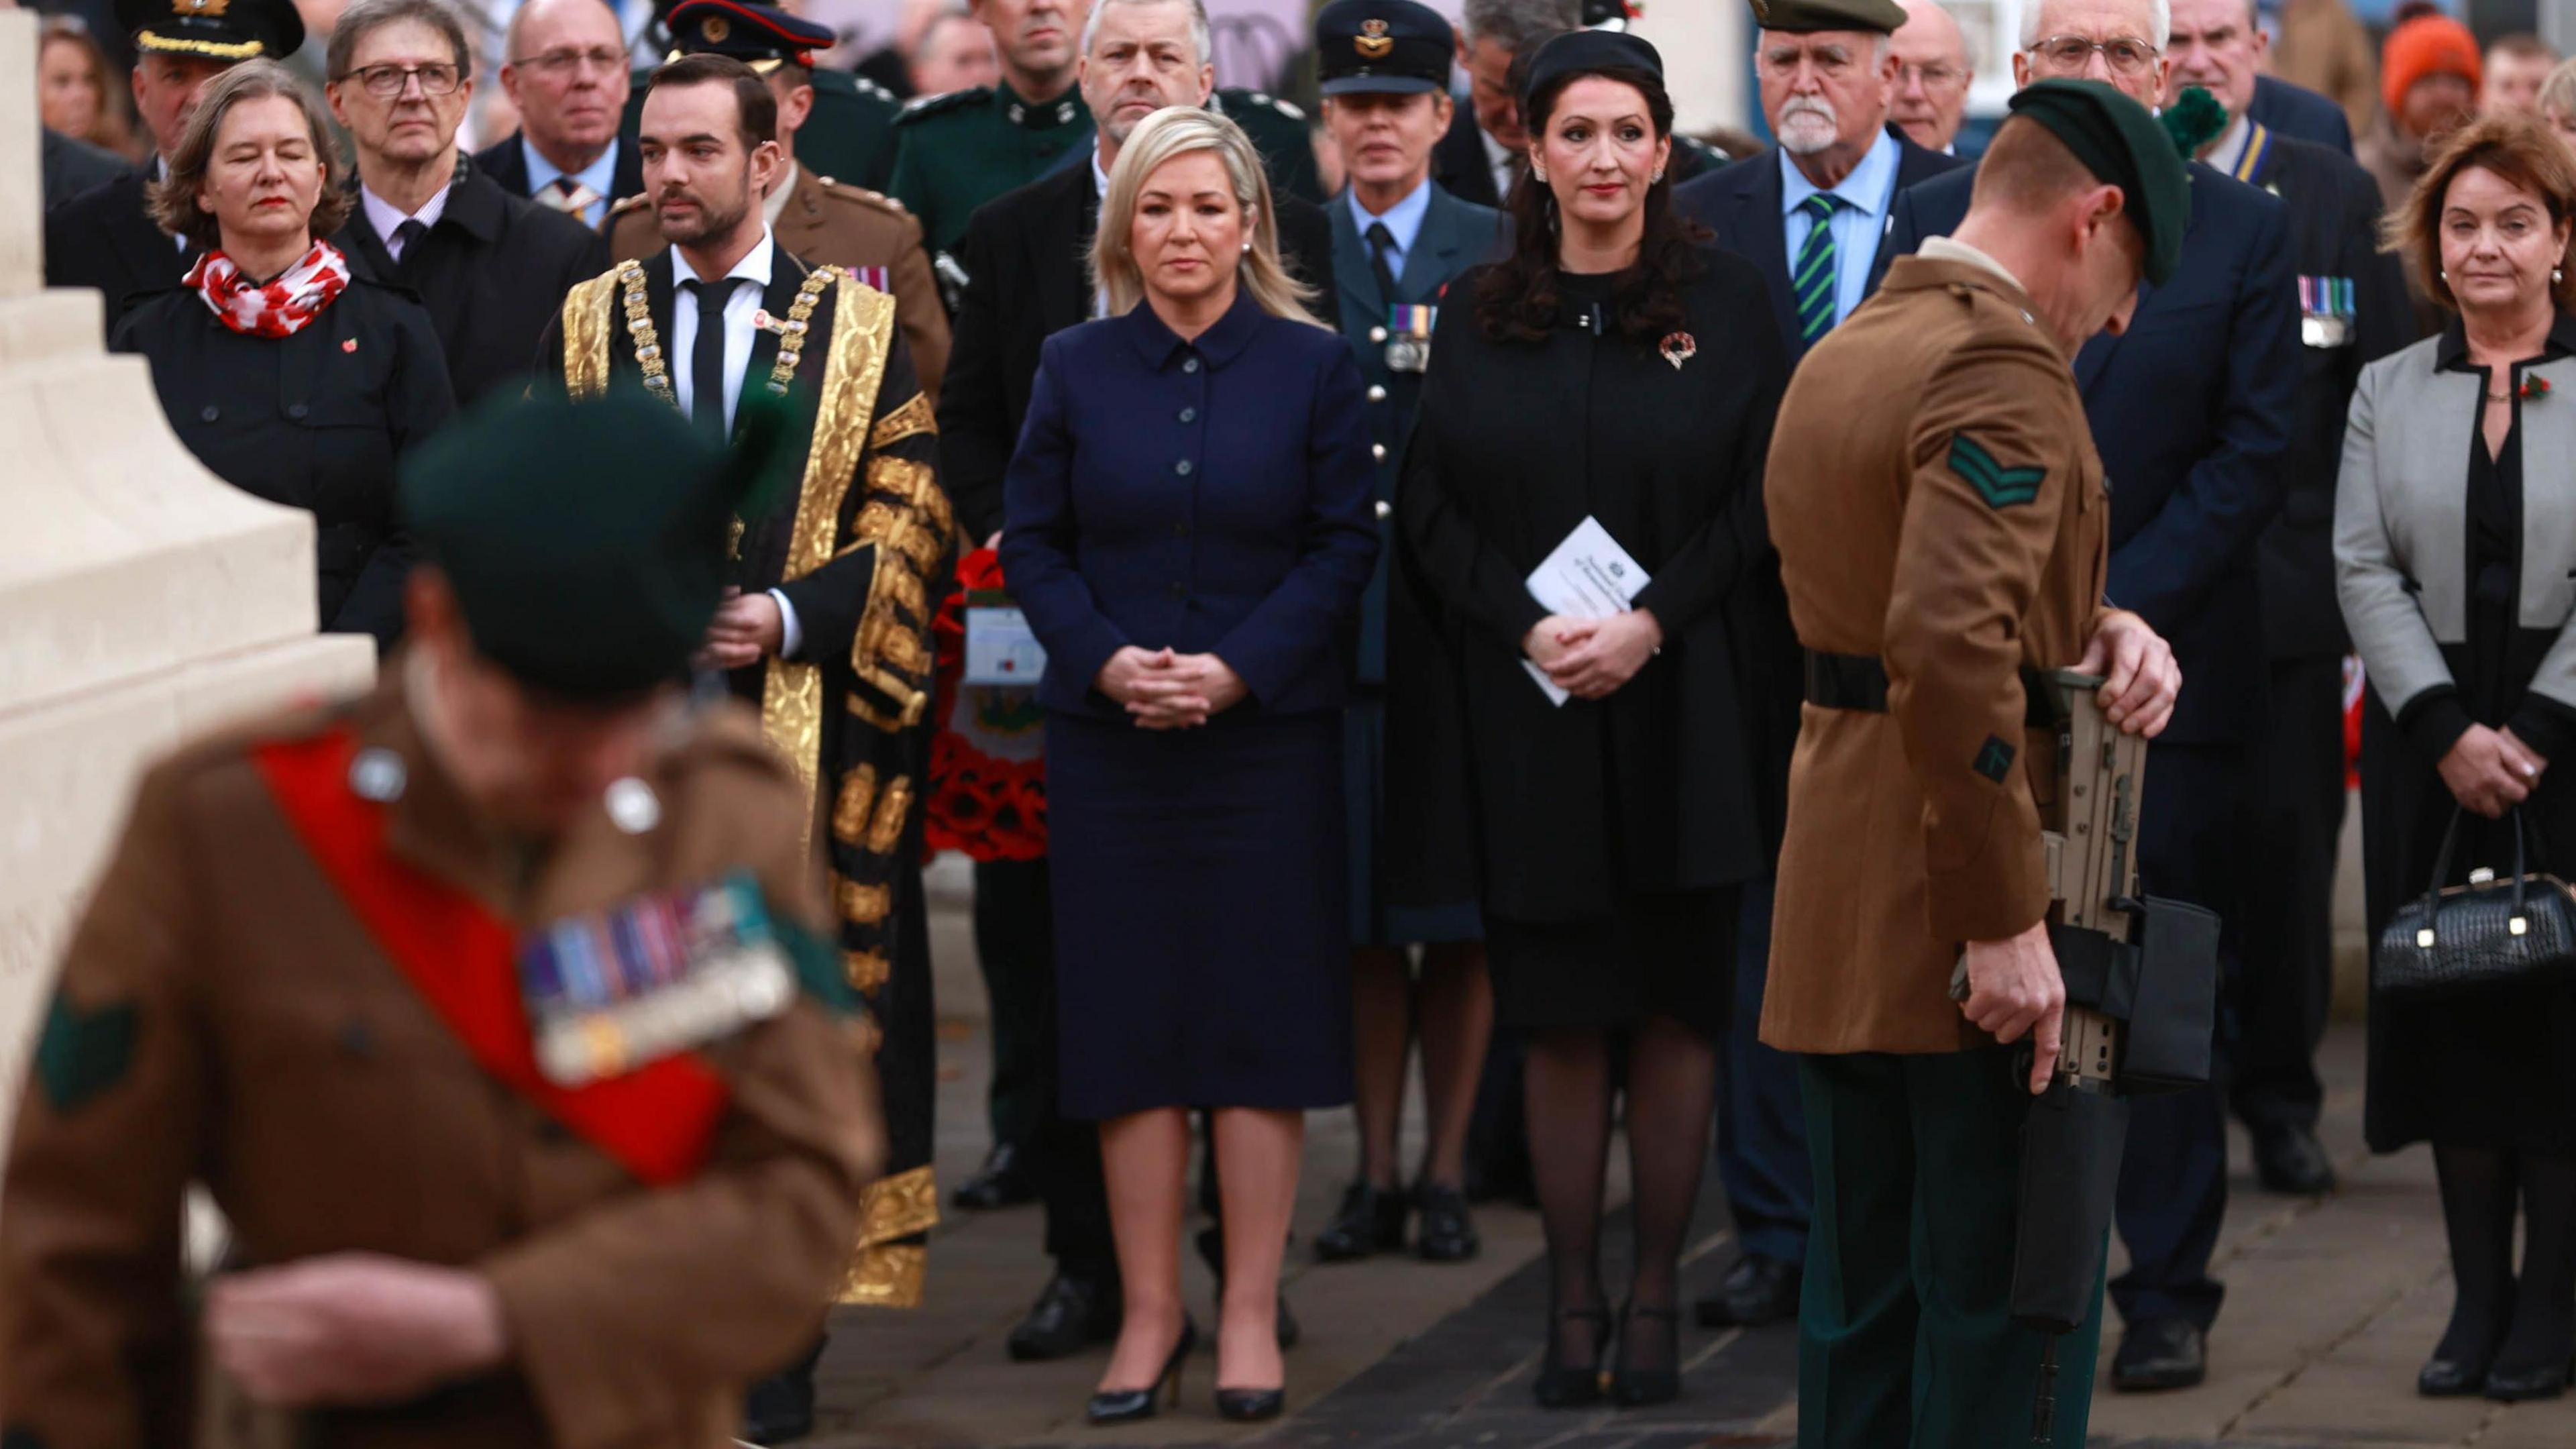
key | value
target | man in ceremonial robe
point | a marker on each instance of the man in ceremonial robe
(829, 632)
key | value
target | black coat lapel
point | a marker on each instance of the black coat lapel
(1766, 244)
(1062, 239)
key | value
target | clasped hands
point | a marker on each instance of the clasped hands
(747, 628)
(1592, 658)
(1162, 690)
(353, 1329)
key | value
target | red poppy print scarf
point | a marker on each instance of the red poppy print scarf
(283, 307)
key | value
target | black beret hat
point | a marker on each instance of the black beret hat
(1584, 52)
(585, 541)
(1806, 17)
(213, 29)
(2120, 142)
(1399, 47)
(761, 36)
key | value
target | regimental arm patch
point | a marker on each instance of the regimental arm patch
(81, 1054)
(1995, 759)
(2000, 486)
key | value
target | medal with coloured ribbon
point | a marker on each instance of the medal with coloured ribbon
(1408, 337)
(2327, 308)
(612, 990)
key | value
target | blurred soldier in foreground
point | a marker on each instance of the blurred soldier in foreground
(495, 1009)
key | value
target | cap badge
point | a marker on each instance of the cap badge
(213, 8)
(714, 29)
(1373, 43)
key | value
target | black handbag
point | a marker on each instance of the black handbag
(2489, 932)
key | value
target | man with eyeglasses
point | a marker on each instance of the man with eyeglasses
(492, 268)
(2194, 408)
(566, 76)
(1933, 75)
(104, 238)
(1810, 217)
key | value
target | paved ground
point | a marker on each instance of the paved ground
(2331, 1307)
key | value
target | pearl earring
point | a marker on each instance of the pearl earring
(1247, 249)
(1659, 173)
(2557, 275)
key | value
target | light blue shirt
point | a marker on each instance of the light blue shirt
(1403, 222)
(600, 176)
(1858, 223)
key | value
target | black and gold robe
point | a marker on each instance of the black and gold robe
(857, 549)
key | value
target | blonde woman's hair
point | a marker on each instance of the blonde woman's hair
(1180, 131)
(173, 198)
(2558, 92)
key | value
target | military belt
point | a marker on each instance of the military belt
(1858, 682)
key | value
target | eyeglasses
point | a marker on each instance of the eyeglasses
(556, 64)
(1935, 77)
(385, 82)
(2067, 54)
(1832, 62)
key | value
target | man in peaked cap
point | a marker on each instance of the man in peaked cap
(1943, 527)
(826, 221)
(565, 1206)
(104, 238)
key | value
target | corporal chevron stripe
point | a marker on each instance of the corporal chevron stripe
(2000, 486)
(1811, 281)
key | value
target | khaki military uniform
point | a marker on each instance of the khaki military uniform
(834, 224)
(225, 1018)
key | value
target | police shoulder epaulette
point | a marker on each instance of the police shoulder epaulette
(1264, 98)
(876, 92)
(921, 106)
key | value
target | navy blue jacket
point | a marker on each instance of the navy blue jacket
(1741, 203)
(2300, 114)
(2192, 410)
(1209, 497)
(1455, 235)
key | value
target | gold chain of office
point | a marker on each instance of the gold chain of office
(648, 341)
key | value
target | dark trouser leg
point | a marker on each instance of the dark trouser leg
(1076, 1199)
(2173, 1177)
(1761, 1129)
(1015, 947)
(1857, 1311)
(2295, 821)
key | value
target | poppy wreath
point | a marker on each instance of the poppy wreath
(987, 761)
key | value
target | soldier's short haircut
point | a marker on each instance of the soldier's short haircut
(365, 17)
(1516, 24)
(1202, 34)
(753, 99)
(2027, 169)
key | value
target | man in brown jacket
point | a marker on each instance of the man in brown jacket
(1943, 527)
(474, 1004)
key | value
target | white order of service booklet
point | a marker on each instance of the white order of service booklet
(1588, 576)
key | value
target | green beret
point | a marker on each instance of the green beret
(2120, 142)
(1805, 17)
(586, 542)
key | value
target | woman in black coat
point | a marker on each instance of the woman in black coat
(286, 378)
(1616, 370)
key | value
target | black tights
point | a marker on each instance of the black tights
(1671, 1090)
(2517, 1325)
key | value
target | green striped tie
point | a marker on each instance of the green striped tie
(1813, 283)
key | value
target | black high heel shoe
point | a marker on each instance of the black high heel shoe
(1128, 1406)
(1572, 1386)
(1635, 1388)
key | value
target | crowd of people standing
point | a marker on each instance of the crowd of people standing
(1340, 773)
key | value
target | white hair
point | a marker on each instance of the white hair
(1201, 35)
(2159, 23)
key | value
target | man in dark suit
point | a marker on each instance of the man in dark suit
(566, 76)
(103, 238)
(492, 268)
(2193, 408)
(2353, 305)
(1474, 162)
(2298, 113)
(1810, 216)
(1023, 253)
(71, 166)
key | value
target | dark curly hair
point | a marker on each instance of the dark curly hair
(1517, 297)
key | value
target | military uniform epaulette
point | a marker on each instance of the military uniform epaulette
(631, 203)
(863, 196)
(1265, 100)
(876, 92)
(920, 107)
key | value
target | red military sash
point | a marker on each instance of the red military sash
(658, 1121)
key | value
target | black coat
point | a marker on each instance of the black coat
(506, 163)
(2334, 234)
(1517, 442)
(71, 167)
(315, 421)
(104, 240)
(1026, 281)
(1458, 162)
(492, 274)
(2300, 113)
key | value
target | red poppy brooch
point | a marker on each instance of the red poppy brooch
(1679, 348)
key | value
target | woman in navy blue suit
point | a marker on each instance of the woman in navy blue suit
(1188, 527)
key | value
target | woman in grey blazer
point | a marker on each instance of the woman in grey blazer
(2455, 554)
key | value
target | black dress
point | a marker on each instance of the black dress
(315, 421)
(2496, 1069)
(1611, 835)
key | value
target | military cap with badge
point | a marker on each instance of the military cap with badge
(226, 30)
(2123, 145)
(1396, 48)
(763, 37)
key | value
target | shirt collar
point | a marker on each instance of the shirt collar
(1160, 345)
(2452, 352)
(1064, 110)
(1866, 190)
(1403, 220)
(1951, 249)
(599, 175)
(385, 218)
(1099, 176)
(756, 264)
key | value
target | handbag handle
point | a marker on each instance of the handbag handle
(2519, 921)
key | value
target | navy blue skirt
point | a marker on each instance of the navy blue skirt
(1202, 928)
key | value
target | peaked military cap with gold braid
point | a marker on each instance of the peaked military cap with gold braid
(225, 30)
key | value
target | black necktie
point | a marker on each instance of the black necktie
(706, 355)
(1381, 241)
(407, 236)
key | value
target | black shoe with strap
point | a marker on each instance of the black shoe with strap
(1074, 1313)
(1128, 1406)
(1659, 1379)
(1571, 1385)
(1370, 1221)
(1004, 1180)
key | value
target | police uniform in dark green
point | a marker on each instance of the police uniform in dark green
(955, 152)
(1281, 133)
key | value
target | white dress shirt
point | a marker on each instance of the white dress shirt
(1498, 159)
(746, 302)
(387, 220)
